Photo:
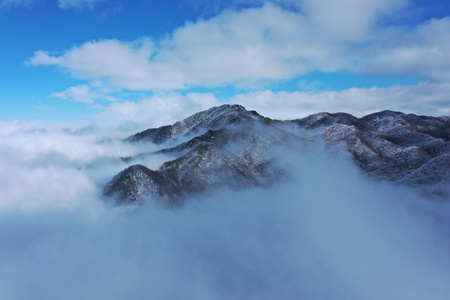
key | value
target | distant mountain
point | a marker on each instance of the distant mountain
(228, 146)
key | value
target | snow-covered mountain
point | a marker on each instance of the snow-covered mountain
(228, 146)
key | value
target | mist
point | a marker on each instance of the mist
(328, 233)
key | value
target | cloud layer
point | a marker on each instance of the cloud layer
(328, 234)
(423, 99)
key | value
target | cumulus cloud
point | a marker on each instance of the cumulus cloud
(125, 64)
(328, 234)
(266, 43)
(216, 51)
(422, 51)
(254, 46)
(263, 43)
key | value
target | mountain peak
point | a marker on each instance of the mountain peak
(214, 118)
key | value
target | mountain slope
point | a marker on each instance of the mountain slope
(228, 146)
(387, 145)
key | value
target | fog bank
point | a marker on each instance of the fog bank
(328, 234)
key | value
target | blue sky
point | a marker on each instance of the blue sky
(67, 60)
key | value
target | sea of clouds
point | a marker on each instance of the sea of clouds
(330, 233)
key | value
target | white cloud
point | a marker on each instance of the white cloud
(78, 4)
(41, 57)
(125, 64)
(59, 166)
(155, 111)
(243, 47)
(167, 108)
(422, 51)
(312, 238)
(422, 98)
(12, 3)
(81, 93)
(350, 20)
(265, 43)
(255, 46)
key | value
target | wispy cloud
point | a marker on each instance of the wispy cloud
(78, 4)
(83, 94)
(13, 3)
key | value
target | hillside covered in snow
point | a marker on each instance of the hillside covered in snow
(230, 147)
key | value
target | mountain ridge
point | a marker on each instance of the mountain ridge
(228, 146)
